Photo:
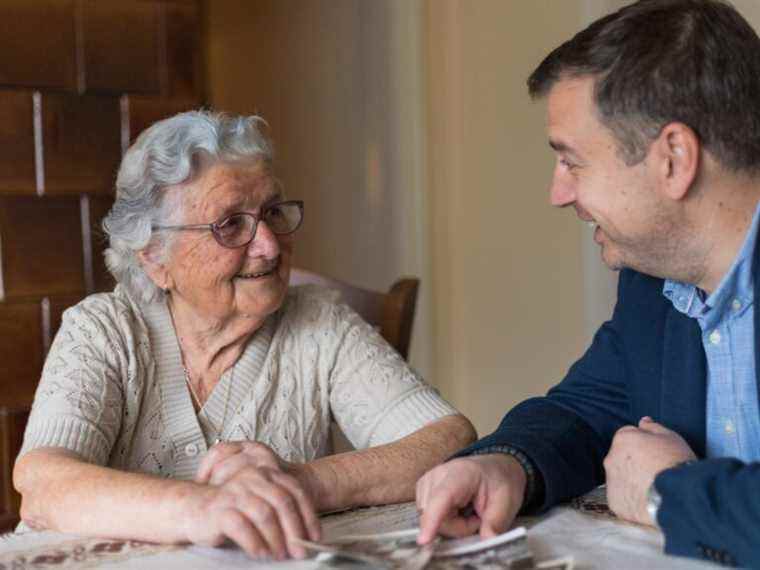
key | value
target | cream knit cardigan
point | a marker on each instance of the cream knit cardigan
(113, 388)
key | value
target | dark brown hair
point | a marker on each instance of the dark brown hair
(659, 61)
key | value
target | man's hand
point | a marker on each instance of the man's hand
(637, 455)
(493, 484)
(259, 496)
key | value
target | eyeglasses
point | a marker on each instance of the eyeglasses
(239, 229)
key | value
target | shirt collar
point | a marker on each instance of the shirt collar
(736, 285)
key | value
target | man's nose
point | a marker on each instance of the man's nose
(265, 244)
(561, 193)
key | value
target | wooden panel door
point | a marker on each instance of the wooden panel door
(78, 80)
(82, 143)
(21, 351)
(121, 46)
(17, 167)
(41, 247)
(183, 59)
(38, 44)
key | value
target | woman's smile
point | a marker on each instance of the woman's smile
(267, 270)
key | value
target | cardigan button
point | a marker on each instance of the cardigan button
(191, 450)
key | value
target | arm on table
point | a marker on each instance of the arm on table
(386, 473)
(376, 476)
(257, 509)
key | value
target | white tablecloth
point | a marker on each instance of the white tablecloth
(594, 538)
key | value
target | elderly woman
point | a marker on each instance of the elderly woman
(193, 403)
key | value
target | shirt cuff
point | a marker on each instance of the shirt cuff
(534, 484)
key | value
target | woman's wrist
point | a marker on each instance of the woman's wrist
(189, 501)
(319, 481)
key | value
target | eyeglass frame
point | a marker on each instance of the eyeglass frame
(212, 227)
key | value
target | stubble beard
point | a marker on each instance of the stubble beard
(668, 251)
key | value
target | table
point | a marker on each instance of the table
(584, 529)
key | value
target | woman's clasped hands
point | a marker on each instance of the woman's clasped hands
(251, 497)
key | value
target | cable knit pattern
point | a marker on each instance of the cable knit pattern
(113, 390)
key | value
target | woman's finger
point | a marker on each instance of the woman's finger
(239, 529)
(304, 502)
(262, 455)
(266, 520)
(226, 469)
(288, 513)
(216, 454)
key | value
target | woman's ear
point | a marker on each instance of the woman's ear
(678, 152)
(155, 268)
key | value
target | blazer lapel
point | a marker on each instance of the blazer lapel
(684, 380)
(756, 313)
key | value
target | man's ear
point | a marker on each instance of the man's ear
(155, 268)
(678, 154)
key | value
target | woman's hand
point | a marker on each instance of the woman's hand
(224, 460)
(251, 499)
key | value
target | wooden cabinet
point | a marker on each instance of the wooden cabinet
(79, 79)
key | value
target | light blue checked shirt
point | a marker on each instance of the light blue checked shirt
(728, 336)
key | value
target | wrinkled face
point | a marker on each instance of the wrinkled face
(219, 282)
(629, 218)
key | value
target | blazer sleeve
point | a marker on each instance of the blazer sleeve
(568, 432)
(711, 509)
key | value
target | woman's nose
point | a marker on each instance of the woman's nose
(265, 243)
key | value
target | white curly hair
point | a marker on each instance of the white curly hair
(166, 154)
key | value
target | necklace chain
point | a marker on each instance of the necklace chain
(194, 396)
(218, 432)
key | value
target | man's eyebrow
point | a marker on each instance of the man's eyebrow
(560, 146)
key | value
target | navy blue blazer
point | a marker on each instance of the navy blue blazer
(648, 360)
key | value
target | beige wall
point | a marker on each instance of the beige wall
(507, 268)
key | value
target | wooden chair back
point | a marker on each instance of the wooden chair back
(71, 100)
(392, 312)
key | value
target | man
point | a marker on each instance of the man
(654, 115)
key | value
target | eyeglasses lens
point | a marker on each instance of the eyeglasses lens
(238, 229)
(283, 218)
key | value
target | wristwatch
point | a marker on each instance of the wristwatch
(654, 500)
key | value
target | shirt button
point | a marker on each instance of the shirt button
(191, 450)
(736, 304)
(729, 427)
(715, 337)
